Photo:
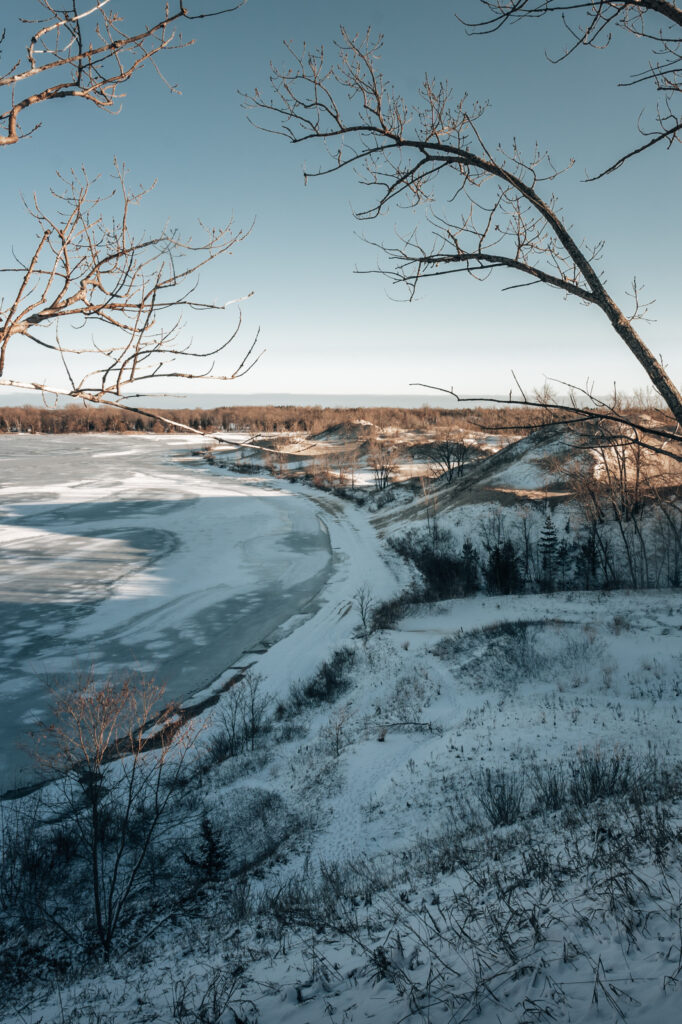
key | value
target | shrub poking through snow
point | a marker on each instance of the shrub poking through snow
(364, 604)
(596, 775)
(500, 794)
(332, 677)
(241, 718)
(386, 614)
(549, 786)
(329, 682)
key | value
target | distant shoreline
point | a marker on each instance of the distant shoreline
(211, 400)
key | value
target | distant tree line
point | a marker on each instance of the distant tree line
(270, 419)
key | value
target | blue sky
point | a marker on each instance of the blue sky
(326, 329)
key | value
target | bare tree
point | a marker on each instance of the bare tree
(627, 491)
(89, 272)
(382, 459)
(364, 603)
(351, 462)
(447, 456)
(486, 210)
(666, 496)
(430, 503)
(83, 51)
(657, 22)
(254, 705)
(116, 756)
(89, 268)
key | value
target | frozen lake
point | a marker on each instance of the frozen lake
(123, 553)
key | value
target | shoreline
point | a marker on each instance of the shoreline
(204, 614)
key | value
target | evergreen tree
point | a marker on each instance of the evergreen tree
(469, 566)
(548, 553)
(502, 570)
(211, 860)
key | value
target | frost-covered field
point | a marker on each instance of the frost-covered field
(474, 814)
(480, 819)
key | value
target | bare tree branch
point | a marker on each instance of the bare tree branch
(89, 269)
(584, 407)
(84, 51)
(592, 23)
(485, 210)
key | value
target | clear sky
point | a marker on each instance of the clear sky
(326, 329)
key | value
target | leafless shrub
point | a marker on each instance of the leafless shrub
(384, 498)
(447, 456)
(255, 705)
(595, 775)
(383, 461)
(501, 795)
(240, 719)
(364, 603)
(549, 786)
(334, 733)
(115, 754)
(287, 730)
(329, 682)
(206, 1000)
(25, 858)
(386, 614)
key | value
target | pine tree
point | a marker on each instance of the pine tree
(548, 552)
(211, 860)
(502, 571)
(470, 575)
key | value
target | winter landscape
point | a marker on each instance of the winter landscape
(321, 701)
(440, 779)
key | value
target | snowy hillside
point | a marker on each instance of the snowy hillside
(412, 809)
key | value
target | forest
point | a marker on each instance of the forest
(313, 419)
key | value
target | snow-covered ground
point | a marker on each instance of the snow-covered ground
(475, 814)
(396, 897)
